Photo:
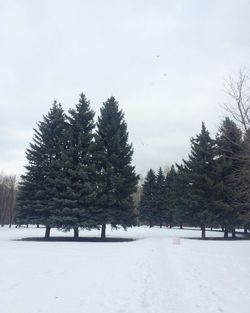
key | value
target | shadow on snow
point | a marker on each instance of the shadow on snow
(80, 239)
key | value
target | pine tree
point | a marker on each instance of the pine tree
(116, 179)
(160, 199)
(170, 196)
(200, 169)
(147, 206)
(38, 187)
(229, 150)
(243, 181)
(77, 199)
(183, 211)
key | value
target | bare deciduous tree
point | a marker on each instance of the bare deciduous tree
(7, 198)
(238, 89)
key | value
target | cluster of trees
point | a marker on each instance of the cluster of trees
(7, 198)
(210, 188)
(79, 173)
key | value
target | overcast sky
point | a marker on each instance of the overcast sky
(164, 61)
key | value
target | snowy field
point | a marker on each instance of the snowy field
(149, 275)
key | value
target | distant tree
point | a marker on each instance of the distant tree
(7, 198)
(171, 196)
(116, 178)
(77, 197)
(39, 186)
(200, 171)
(240, 181)
(147, 206)
(229, 151)
(160, 199)
(183, 210)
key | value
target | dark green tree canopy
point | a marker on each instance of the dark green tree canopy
(147, 204)
(116, 180)
(200, 171)
(77, 197)
(38, 186)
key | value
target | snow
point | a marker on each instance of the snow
(149, 275)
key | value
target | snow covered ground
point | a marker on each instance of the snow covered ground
(149, 275)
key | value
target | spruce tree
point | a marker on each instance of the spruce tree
(200, 169)
(183, 211)
(116, 178)
(240, 183)
(160, 199)
(77, 199)
(229, 151)
(147, 206)
(39, 186)
(170, 196)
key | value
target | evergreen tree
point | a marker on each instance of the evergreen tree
(240, 182)
(229, 150)
(76, 200)
(170, 196)
(160, 199)
(147, 206)
(38, 187)
(200, 169)
(183, 211)
(244, 175)
(116, 179)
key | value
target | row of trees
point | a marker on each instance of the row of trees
(79, 174)
(7, 198)
(210, 188)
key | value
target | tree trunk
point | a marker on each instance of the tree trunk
(10, 225)
(76, 232)
(233, 233)
(47, 232)
(225, 233)
(203, 232)
(103, 233)
(37, 225)
(181, 226)
(245, 229)
(211, 228)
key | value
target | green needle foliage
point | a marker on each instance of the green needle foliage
(116, 178)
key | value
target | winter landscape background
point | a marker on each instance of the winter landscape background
(125, 140)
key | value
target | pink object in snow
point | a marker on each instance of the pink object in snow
(176, 240)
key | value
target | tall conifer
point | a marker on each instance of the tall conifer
(147, 206)
(77, 198)
(200, 169)
(229, 152)
(40, 184)
(116, 179)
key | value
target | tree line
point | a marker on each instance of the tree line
(210, 188)
(79, 173)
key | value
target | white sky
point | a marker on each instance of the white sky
(165, 62)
